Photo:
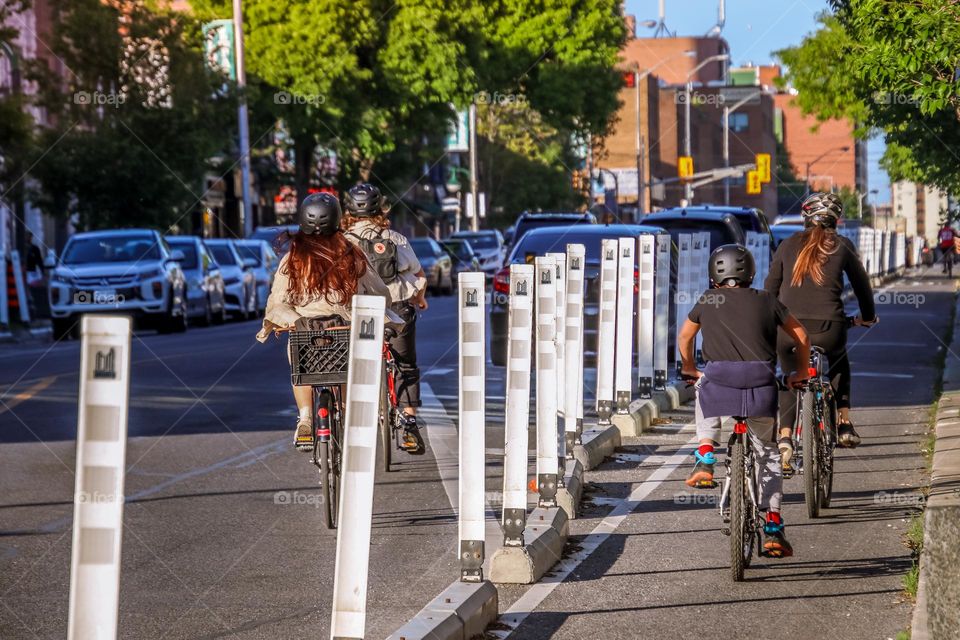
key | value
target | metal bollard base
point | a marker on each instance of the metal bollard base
(645, 388)
(471, 560)
(514, 520)
(604, 411)
(547, 485)
(623, 402)
(660, 379)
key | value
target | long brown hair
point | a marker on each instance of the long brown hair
(328, 267)
(819, 244)
(348, 221)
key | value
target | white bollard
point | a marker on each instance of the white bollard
(606, 329)
(473, 425)
(701, 281)
(547, 463)
(516, 442)
(684, 286)
(98, 498)
(573, 348)
(646, 245)
(661, 309)
(623, 345)
(20, 286)
(560, 260)
(360, 424)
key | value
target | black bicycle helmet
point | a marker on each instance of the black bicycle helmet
(822, 209)
(364, 201)
(732, 262)
(319, 214)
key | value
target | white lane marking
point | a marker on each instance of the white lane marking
(868, 374)
(536, 594)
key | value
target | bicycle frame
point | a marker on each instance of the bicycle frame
(739, 433)
(823, 395)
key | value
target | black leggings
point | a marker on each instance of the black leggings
(405, 352)
(831, 336)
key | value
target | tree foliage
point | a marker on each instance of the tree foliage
(889, 66)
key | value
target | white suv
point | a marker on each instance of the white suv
(130, 271)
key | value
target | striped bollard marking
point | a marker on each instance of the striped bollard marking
(560, 260)
(547, 464)
(573, 349)
(646, 246)
(661, 309)
(472, 413)
(516, 443)
(98, 498)
(623, 345)
(606, 331)
(684, 267)
(360, 425)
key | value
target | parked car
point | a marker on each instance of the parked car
(538, 242)
(239, 281)
(724, 228)
(488, 245)
(789, 218)
(527, 221)
(463, 256)
(266, 265)
(205, 290)
(436, 264)
(130, 271)
(783, 231)
(274, 236)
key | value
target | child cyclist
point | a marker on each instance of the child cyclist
(739, 327)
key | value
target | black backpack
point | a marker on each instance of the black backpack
(381, 251)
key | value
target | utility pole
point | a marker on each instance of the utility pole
(474, 194)
(243, 121)
(726, 141)
(688, 89)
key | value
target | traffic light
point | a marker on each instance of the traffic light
(754, 184)
(629, 79)
(763, 167)
(685, 167)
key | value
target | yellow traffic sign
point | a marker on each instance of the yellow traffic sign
(763, 167)
(754, 185)
(685, 166)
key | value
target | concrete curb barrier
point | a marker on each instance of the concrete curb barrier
(568, 496)
(596, 445)
(543, 540)
(937, 611)
(461, 612)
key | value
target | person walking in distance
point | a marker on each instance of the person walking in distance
(391, 256)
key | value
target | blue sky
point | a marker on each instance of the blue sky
(754, 29)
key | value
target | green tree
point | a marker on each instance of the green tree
(889, 66)
(16, 125)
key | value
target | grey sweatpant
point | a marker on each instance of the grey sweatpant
(763, 439)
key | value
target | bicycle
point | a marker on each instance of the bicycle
(743, 519)
(392, 423)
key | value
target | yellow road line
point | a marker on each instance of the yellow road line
(26, 394)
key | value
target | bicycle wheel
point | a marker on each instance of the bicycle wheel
(386, 422)
(828, 442)
(811, 455)
(741, 534)
(327, 457)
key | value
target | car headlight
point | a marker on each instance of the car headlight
(152, 273)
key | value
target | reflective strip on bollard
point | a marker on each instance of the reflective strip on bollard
(547, 464)
(360, 426)
(623, 345)
(98, 498)
(516, 443)
(472, 413)
(646, 245)
(661, 309)
(606, 329)
(573, 349)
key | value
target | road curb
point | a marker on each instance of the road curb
(569, 495)
(543, 540)
(461, 612)
(937, 611)
(597, 444)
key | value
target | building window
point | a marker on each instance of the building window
(739, 122)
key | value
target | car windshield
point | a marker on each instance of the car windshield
(423, 248)
(249, 251)
(223, 255)
(458, 249)
(748, 221)
(783, 231)
(119, 248)
(539, 244)
(481, 240)
(538, 223)
(720, 234)
(189, 250)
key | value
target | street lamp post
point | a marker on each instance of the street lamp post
(726, 141)
(844, 149)
(722, 57)
(243, 120)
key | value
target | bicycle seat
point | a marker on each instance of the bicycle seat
(389, 333)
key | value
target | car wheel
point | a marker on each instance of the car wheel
(221, 316)
(63, 328)
(448, 290)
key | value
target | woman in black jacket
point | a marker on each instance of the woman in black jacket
(806, 274)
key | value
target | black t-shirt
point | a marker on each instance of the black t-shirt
(739, 324)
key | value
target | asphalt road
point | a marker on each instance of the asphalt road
(222, 537)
